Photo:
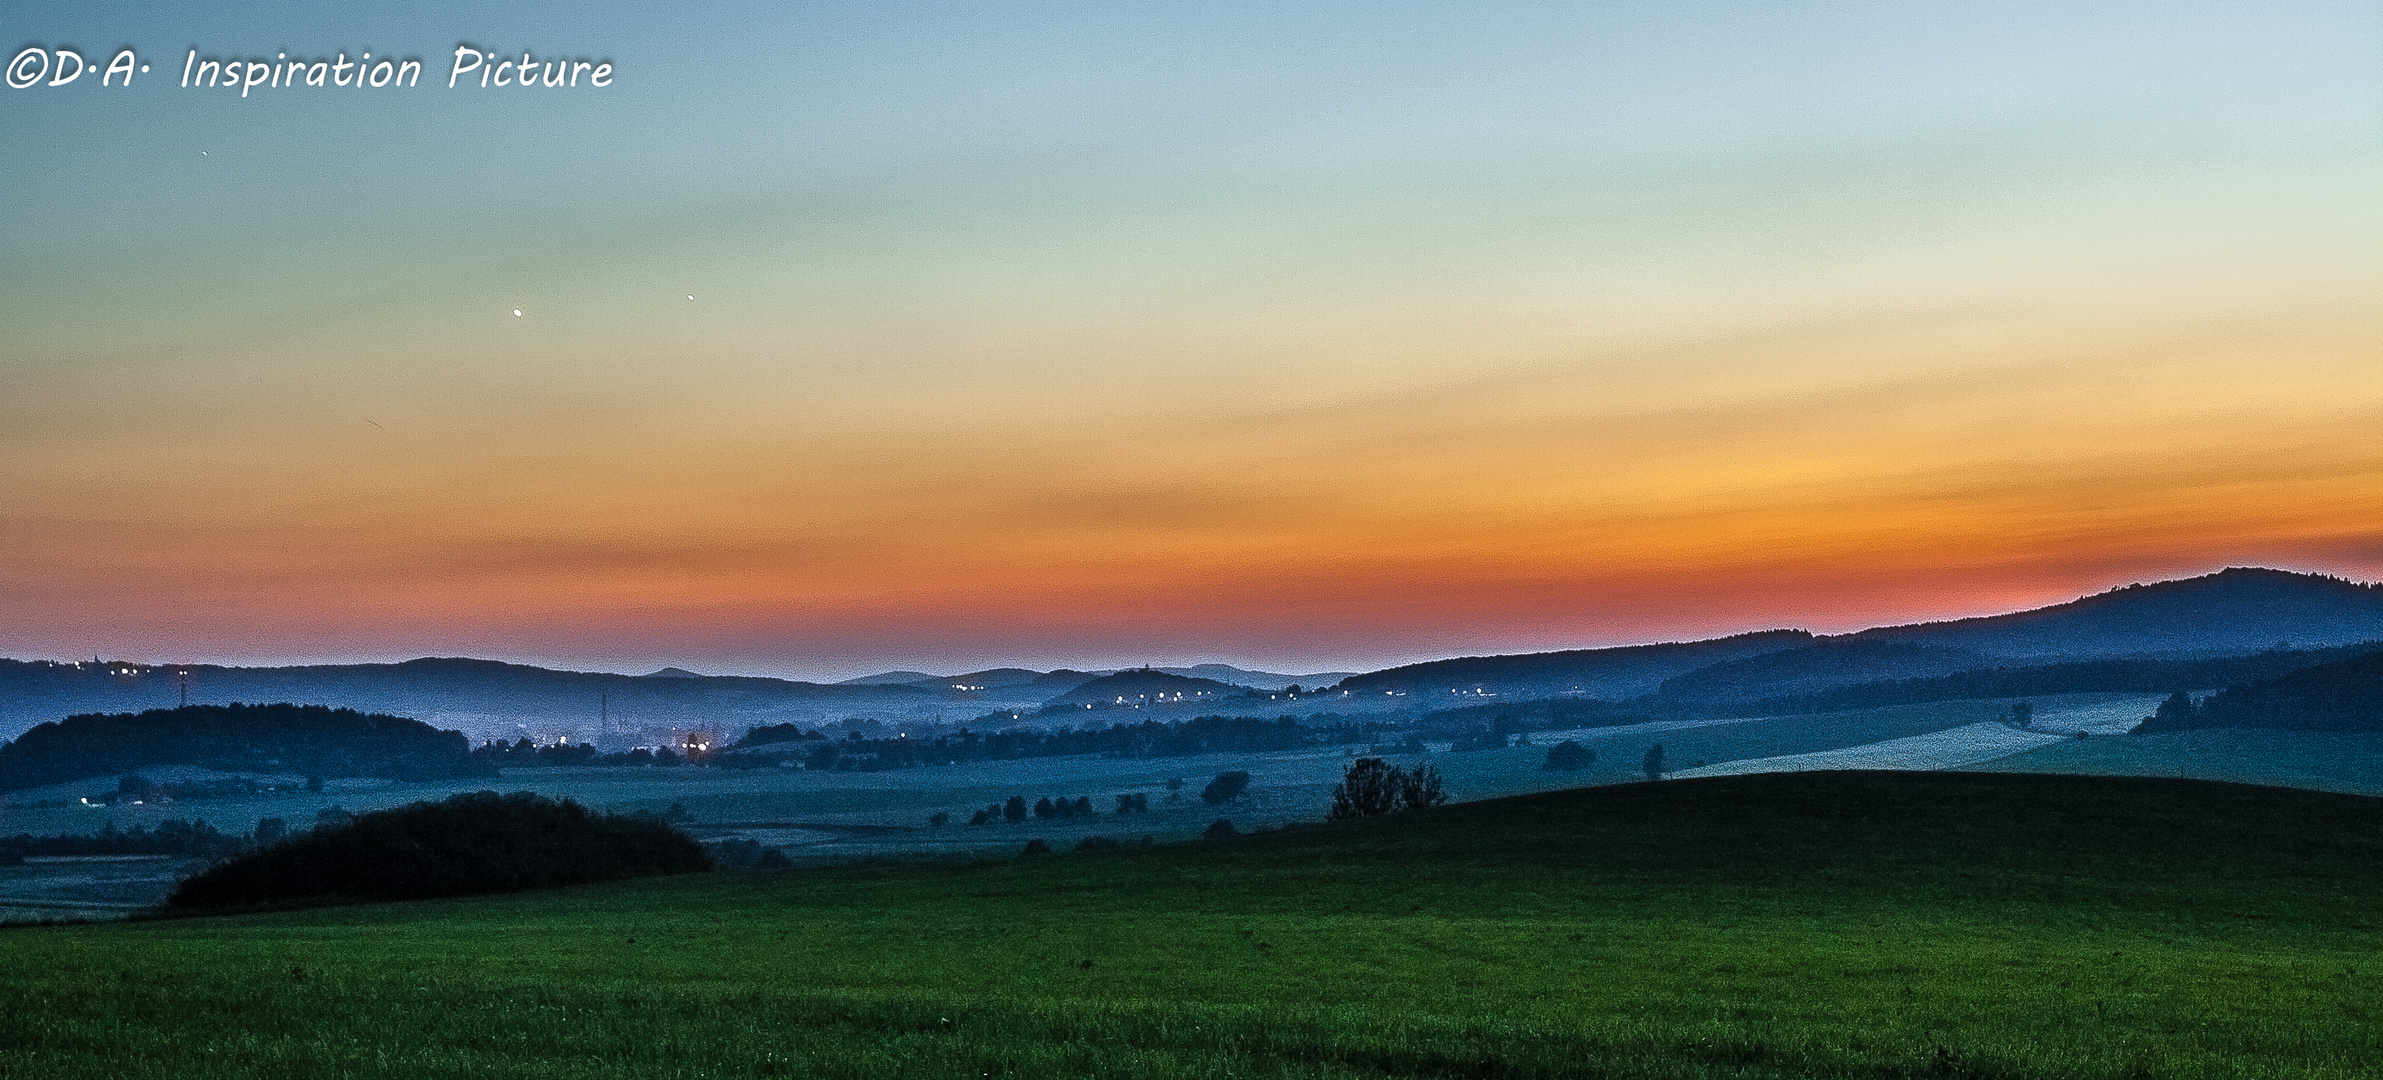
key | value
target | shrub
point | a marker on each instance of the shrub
(1653, 764)
(1373, 786)
(1036, 846)
(481, 842)
(1219, 829)
(736, 854)
(1568, 756)
(1227, 787)
(1420, 789)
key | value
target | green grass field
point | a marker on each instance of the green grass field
(1814, 924)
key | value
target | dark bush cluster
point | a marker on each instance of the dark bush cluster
(1052, 809)
(468, 844)
(1374, 786)
(1569, 756)
(1227, 787)
(742, 854)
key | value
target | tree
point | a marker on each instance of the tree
(1371, 786)
(1015, 809)
(1036, 846)
(271, 829)
(1374, 786)
(1568, 756)
(980, 818)
(1227, 787)
(1420, 789)
(938, 819)
(1653, 765)
(1084, 806)
(2022, 713)
(1218, 830)
(1043, 810)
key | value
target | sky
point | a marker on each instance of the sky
(1305, 336)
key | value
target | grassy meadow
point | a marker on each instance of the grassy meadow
(1810, 924)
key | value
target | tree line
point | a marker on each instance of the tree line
(2344, 696)
(277, 738)
(1151, 738)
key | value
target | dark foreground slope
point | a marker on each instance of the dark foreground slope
(1858, 925)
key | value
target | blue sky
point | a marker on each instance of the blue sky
(1322, 334)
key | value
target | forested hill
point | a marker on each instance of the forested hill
(286, 739)
(2343, 696)
(2071, 677)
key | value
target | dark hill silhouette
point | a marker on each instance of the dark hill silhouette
(1051, 684)
(1144, 687)
(1823, 665)
(994, 678)
(2230, 613)
(237, 738)
(2236, 610)
(1626, 671)
(891, 678)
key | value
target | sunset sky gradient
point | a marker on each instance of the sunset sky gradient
(1301, 336)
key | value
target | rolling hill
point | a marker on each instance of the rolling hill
(1832, 924)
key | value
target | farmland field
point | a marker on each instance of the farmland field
(2350, 761)
(1815, 924)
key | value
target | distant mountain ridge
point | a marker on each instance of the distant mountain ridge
(485, 698)
(1004, 678)
(1625, 671)
(2232, 612)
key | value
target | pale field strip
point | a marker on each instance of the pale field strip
(1550, 738)
(1969, 744)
